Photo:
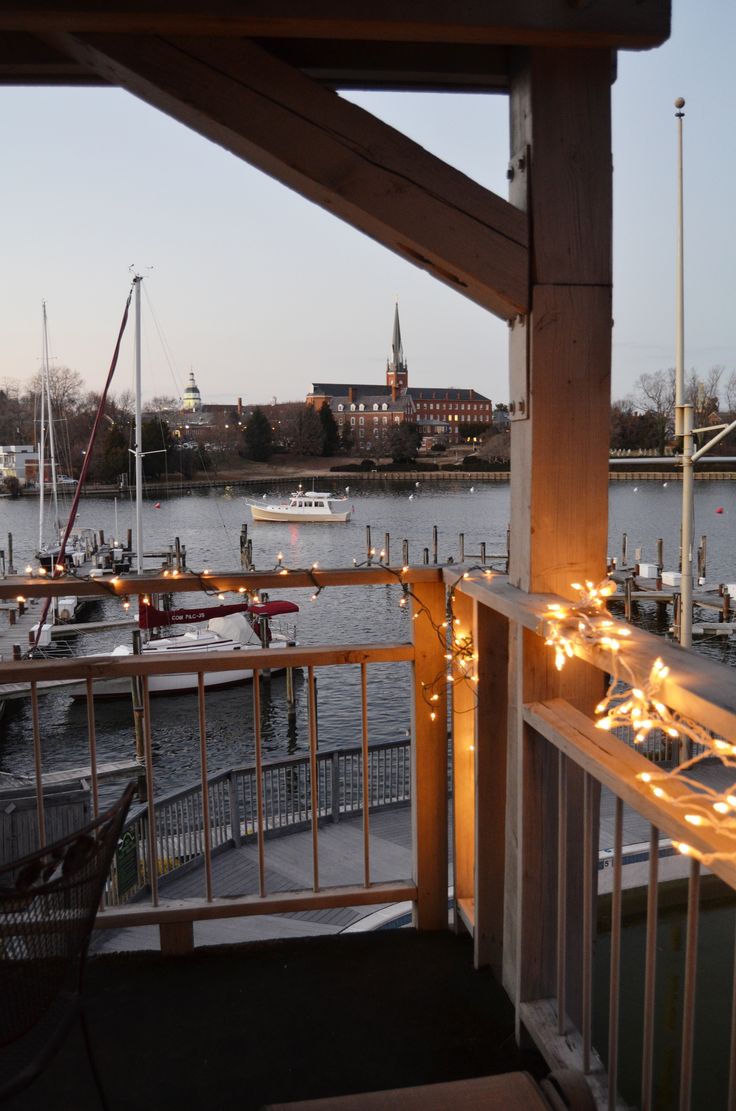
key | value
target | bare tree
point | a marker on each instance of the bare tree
(66, 387)
(655, 394)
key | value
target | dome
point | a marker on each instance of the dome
(192, 400)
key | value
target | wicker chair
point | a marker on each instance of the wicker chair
(48, 903)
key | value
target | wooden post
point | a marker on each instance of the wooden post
(625, 550)
(463, 770)
(461, 546)
(404, 553)
(425, 556)
(628, 607)
(244, 547)
(560, 358)
(660, 563)
(368, 545)
(386, 548)
(483, 552)
(429, 759)
(11, 568)
(435, 537)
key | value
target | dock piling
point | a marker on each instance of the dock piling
(386, 548)
(435, 535)
(404, 553)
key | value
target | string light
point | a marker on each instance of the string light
(637, 707)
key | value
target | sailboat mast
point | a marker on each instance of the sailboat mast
(42, 450)
(52, 441)
(138, 433)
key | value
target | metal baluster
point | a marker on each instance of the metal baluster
(148, 751)
(366, 777)
(313, 773)
(561, 890)
(92, 735)
(40, 806)
(614, 982)
(259, 780)
(688, 998)
(650, 968)
(588, 836)
(205, 791)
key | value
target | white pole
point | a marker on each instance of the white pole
(683, 412)
(138, 433)
(50, 419)
(42, 439)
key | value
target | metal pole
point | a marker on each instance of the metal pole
(138, 433)
(683, 412)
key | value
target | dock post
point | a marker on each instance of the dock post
(483, 552)
(508, 549)
(660, 563)
(434, 543)
(703, 548)
(461, 545)
(726, 615)
(425, 556)
(368, 545)
(625, 550)
(386, 548)
(177, 551)
(244, 547)
(404, 553)
(676, 614)
(249, 555)
(11, 568)
(290, 688)
(628, 584)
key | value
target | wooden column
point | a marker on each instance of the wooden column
(560, 389)
(463, 771)
(491, 717)
(429, 759)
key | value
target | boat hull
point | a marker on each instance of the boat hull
(307, 516)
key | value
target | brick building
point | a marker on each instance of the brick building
(369, 410)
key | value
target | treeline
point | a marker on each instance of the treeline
(73, 412)
(645, 420)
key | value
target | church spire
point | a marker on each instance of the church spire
(397, 350)
(397, 375)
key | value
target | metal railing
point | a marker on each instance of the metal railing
(180, 834)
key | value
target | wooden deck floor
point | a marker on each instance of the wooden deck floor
(288, 862)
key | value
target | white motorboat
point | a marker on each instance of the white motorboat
(311, 506)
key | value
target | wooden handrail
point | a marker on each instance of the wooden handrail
(696, 687)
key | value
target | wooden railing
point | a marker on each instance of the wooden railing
(528, 750)
(527, 766)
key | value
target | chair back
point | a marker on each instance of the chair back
(48, 903)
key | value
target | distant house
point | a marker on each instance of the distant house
(369, 410)
(19, 461)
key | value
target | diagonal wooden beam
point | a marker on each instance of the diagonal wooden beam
(606, 23)
(332, 152)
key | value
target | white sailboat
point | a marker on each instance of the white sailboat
(65, 608)
(244, 627)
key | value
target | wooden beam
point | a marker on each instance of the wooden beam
(610, 23)
(332, 152)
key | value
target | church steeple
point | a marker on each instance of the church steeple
(397, 374)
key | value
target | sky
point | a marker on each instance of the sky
(260, 293)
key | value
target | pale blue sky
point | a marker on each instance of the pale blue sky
(261, 293)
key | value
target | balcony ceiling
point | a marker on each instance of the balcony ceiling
(431, 45)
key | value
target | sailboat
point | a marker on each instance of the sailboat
(243, 627)
(48, 554)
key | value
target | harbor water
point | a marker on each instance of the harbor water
(209, 526)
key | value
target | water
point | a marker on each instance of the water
(209, 526)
